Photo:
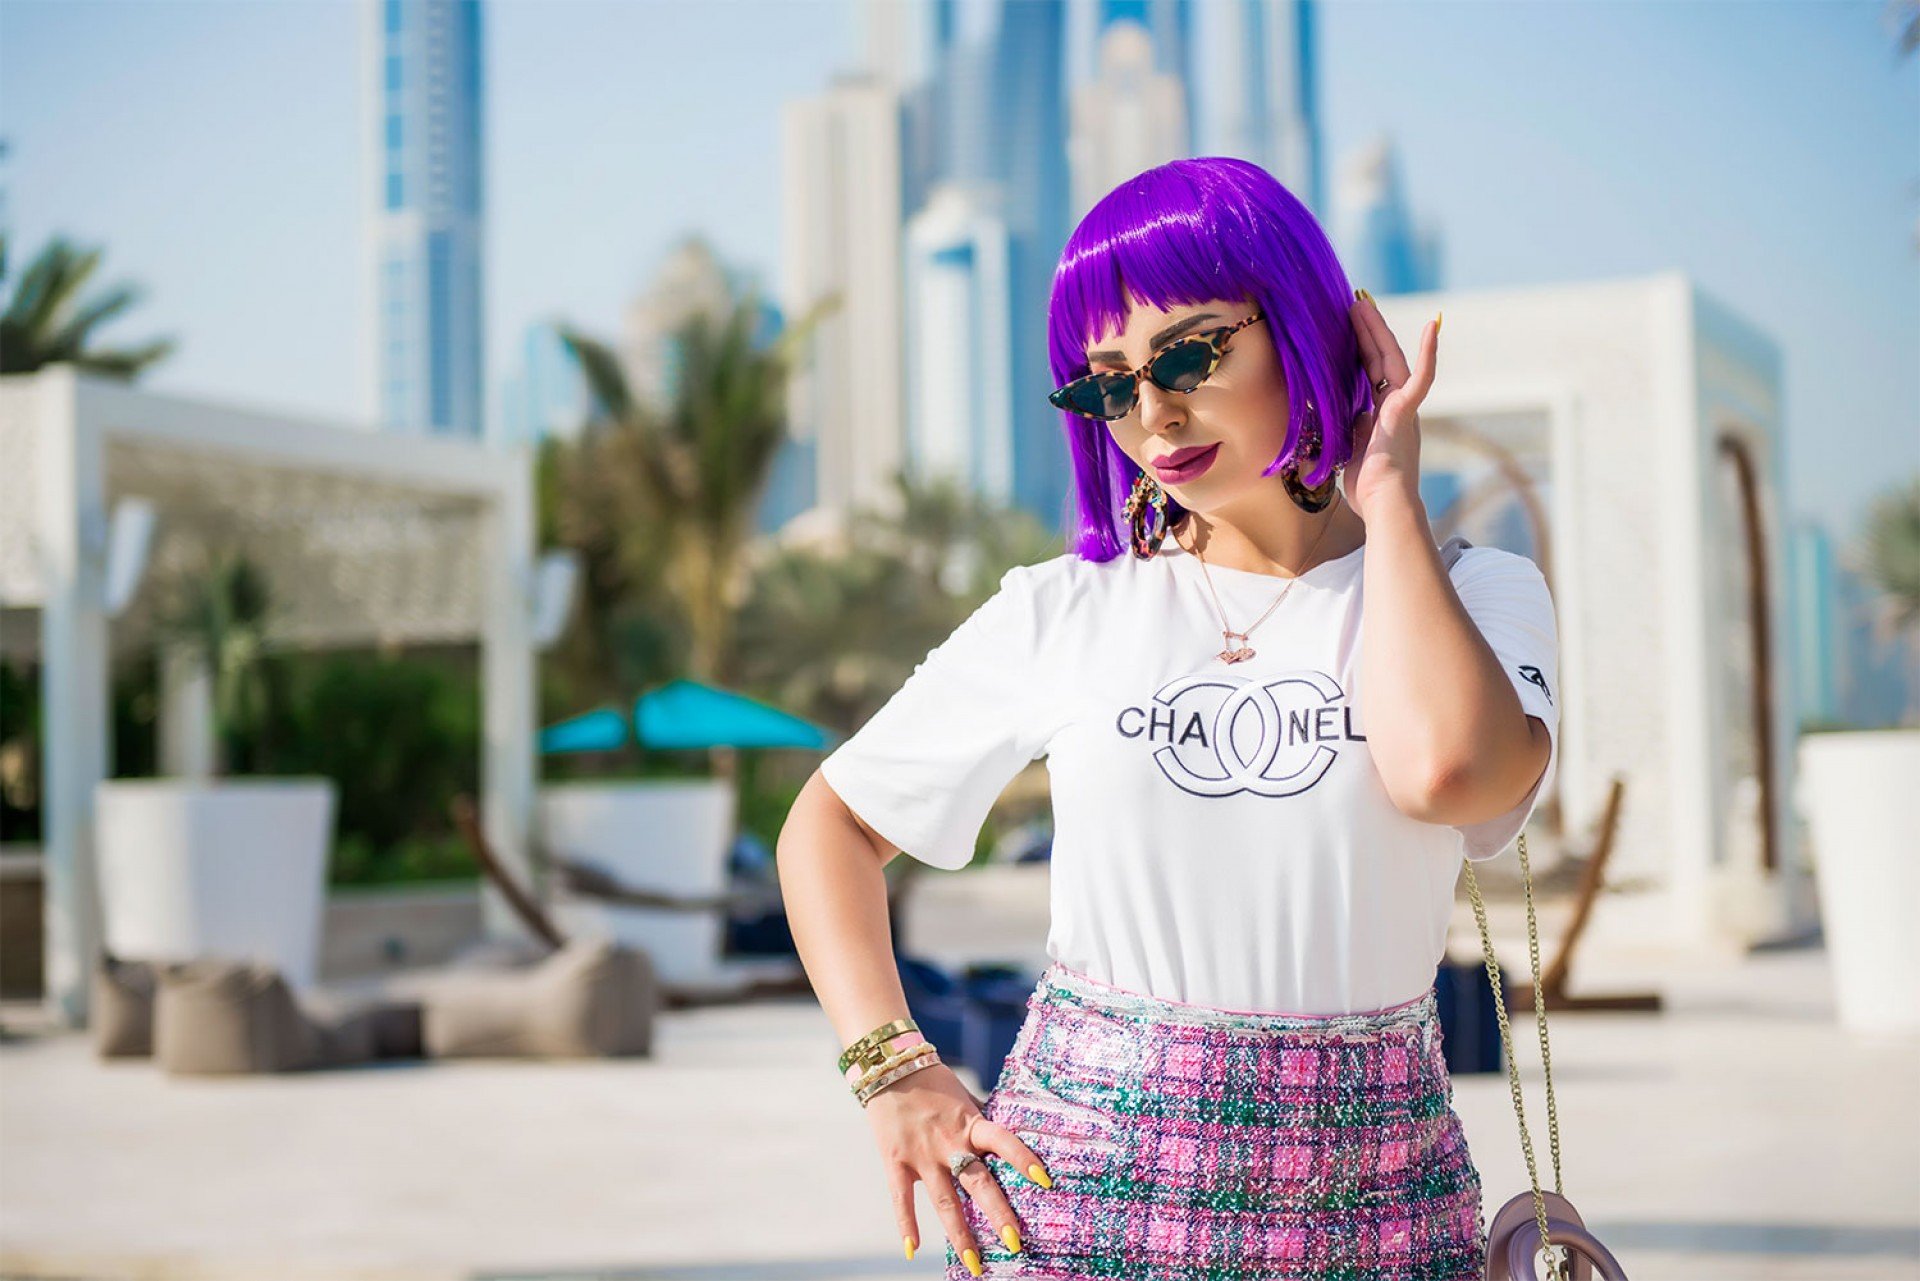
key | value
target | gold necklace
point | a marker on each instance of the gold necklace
(1242, 652)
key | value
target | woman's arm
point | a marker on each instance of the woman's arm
(831, 879)
(1449, 735)
(835, 892)
(1446, 729)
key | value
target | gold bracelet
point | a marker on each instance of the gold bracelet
(904, 1070)
(899, 1073)
(878, 1037)
(893, 1061)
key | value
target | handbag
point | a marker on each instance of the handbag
(1535, 1221)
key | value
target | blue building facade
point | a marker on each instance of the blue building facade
(429, 219)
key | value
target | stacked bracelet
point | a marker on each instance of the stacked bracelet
(891, 1062)
(889, 1053)
(914, 1063)
(872, 1047)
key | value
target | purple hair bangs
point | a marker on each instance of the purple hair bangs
(1208, 229)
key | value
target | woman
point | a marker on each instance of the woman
(1274, 722)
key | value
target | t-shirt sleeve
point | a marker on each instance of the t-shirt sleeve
(1506, 595)
(925, 769)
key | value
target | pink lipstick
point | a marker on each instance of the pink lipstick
(1183, 465)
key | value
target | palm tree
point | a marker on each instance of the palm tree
(661, 499)
(1891, 551)
(43, 320)
(831, 634)
(221, 616)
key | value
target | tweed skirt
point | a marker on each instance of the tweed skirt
(1189, 1142)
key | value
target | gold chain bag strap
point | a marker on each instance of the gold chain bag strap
(1534, 1222)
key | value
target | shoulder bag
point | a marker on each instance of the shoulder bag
(1535, 1222)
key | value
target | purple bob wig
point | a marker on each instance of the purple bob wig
(1184, 233)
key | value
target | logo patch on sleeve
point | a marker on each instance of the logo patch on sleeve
(1533, 677)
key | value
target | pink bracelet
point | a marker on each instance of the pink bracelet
(894, 1045)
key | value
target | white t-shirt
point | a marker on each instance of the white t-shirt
(1221, 835)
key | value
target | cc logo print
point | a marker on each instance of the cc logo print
(1224, 736)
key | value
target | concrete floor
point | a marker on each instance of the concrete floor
(1739, 1135)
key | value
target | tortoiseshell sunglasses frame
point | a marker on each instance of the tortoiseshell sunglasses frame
(1215, 339)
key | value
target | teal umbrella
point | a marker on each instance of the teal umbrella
(602, 730)
(684, 714)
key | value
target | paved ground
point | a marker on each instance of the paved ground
(1740, 1135)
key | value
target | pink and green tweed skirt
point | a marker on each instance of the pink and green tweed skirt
(1188, 1142)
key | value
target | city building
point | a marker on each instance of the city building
(1381, 247)
(841, 239)
(547, 395)
(422, 97)
(962, 418)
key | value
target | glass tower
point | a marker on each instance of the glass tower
(425, 90)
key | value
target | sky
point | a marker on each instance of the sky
(212, 147)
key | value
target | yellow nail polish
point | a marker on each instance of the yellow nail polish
(1039, 1176)
(973, 1261)
(907, 1243)
(1365, 295)
(1438, 316)
(1011, 1235)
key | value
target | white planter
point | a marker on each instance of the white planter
(668, 835)
(1861, 796)
(222, 867)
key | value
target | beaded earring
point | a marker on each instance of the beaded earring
(1146, 513)
(1317, 498)
(1146, 506)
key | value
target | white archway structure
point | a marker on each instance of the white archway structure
(1649, 420)
(365, 537)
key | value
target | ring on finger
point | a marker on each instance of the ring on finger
(958, 1161)
(1382, 385)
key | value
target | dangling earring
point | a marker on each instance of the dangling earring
(1146, 513)
(1320, 496)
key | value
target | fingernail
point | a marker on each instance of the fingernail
(1039, 1176)
(1438, 316)
(907, 1244)
(1011, 1235)
(1363, 294)
(973, 1261)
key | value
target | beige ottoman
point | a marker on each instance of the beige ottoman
(215, 1016)
(593, 998)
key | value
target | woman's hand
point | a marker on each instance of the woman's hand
(1386, 442)
(919, 1121)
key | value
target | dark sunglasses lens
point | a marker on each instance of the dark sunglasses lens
(1183, 366)
(1099, 396)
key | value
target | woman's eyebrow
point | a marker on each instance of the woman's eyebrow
(1170, 332)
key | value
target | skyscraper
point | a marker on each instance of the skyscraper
(990, 185)
(841, 238)
(423, 90)
(1254, 77)
(1128, 116)
(548, 395)
(1385, 251)
(998, 95)
(961, 415)
(691, 281)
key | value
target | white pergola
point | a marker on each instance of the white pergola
(1642, 423)
(365, 537)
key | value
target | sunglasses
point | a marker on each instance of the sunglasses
(1179, 366)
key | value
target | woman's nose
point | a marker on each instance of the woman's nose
(1160, 410)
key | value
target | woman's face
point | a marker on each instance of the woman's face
(1239, 414)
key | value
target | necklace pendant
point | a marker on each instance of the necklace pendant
(1235, 653)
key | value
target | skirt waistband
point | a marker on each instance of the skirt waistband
(1062, 982)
